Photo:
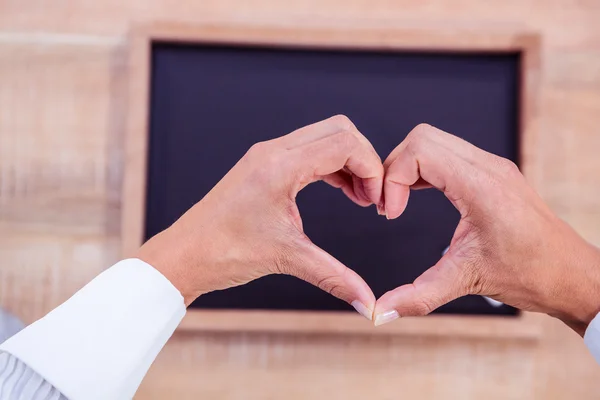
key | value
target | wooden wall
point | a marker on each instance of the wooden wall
(63, 112)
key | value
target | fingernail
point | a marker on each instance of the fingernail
(362, 310)
(380, 209)
(385, 317)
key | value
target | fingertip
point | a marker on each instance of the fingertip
(385, 303)
(381, 208)
(402, 300)
(373, 189)
(386, 317)
(385, 310)
(396, 197)
(364, 295)
(349, 192)
(364, 300)
(360, 191)
(363, 309)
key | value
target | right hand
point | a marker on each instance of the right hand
(508, 244)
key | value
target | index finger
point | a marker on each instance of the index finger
(427, 155)
(342, 147)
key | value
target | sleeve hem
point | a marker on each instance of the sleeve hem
(100, 343)
(591, 338)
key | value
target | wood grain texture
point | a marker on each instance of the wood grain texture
(423, 39)
(59, 116)
(523, 328)
(258, 366)
(136, 145)
(63, 103)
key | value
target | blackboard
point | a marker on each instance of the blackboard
(210, 103)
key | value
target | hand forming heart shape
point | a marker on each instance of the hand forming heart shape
(249, 226)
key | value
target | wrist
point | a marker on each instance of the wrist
(581, 289)
(164, 253)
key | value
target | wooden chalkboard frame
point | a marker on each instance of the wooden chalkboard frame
(523, 327)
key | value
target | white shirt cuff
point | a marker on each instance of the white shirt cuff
(592, 338)
(100, 343)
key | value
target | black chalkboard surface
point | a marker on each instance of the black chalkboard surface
(209, 104)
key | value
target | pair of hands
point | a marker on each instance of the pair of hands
(508, 244)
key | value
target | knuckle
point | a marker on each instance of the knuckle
(342, 122)
(418, 135)
(414, 144)
(256, 150)
(508, 167)
(265, 154)
(423, 307)
(272, 159)
(347, 139)
(331, 285)
(263, 161)
(423, 129)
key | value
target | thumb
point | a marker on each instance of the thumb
(437, 286)
(316, 266)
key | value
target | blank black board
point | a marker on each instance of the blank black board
(209, 104)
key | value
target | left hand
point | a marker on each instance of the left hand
(249, 226)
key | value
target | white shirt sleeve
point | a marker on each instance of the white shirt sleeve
(100, 343)
(592, 338)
